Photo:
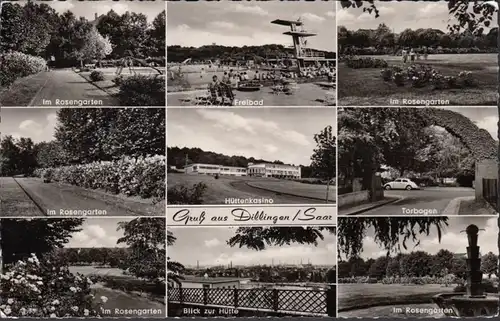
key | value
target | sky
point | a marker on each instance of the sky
(452, 239)
(483, 117)
(285, 134)
(88, 9)
(398, 15)
(35, 123)
(239, 23)
(212, 249)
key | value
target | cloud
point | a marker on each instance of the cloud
(330, 14)
(229, 121)
(213, 243)
(276, 254)
(489, 123)
(119, 8)
(184, 35)
(222, 25)
(312, 17)
(431, 10)
(344, 16)
(241, 8)
(38, 130)
(62, 6)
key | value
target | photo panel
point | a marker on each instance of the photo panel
(241, 166)
(83, 267)
(258, 53)
(407, 267)
(418, 161)
(260, 271)
(417, 53)
(82, 162)
(93, 53)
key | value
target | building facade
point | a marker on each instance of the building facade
(274, 170)
(211, 169)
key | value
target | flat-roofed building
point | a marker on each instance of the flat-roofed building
(274, 170)
(211, 169)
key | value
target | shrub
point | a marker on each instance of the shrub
(366, 62)
(184, 195)
(118, 80)
(16, 65)
(96, 75)
(143, 176)
(399, 79)
(387, 74)
(466, 80)
(140, 90)
(34, 288)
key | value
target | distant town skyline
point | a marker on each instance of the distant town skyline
(243, 23)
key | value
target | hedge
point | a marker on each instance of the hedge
(144, 176)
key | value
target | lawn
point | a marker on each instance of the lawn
(365, 86)
(365, 296)
(124, 292)
(281, 191)
(22, 91)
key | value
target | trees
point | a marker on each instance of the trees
(474, 22)
(324, 158)
(21, 237)
(174, 269)
(157, 35)
(489, 264)
(146, 240)
(18, 156)
(96, 47)
(416, 264)
(443, 260)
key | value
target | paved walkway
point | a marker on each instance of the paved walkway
(65, 84)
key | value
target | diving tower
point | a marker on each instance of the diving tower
(299, 36)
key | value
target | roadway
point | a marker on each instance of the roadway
(429, 200)
(32, 197)
(65, 84)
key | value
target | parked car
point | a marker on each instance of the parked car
(401, 183)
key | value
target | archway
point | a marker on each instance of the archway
(477, 140)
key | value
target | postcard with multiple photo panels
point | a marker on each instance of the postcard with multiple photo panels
(263, 189)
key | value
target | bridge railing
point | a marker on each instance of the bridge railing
(490, 192)
(313, 302)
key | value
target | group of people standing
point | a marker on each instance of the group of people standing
(412, 55)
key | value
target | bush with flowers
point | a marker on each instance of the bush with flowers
(41, 288)
(143, 176)
(15, 65)
(365, 62)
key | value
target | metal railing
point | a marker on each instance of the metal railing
(304, 302)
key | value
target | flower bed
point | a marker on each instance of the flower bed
(144, 177)
(34, 288)
(419, 76)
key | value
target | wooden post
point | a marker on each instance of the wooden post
(181, 295)
(275, 296)
(331, 302)
(235, 291)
